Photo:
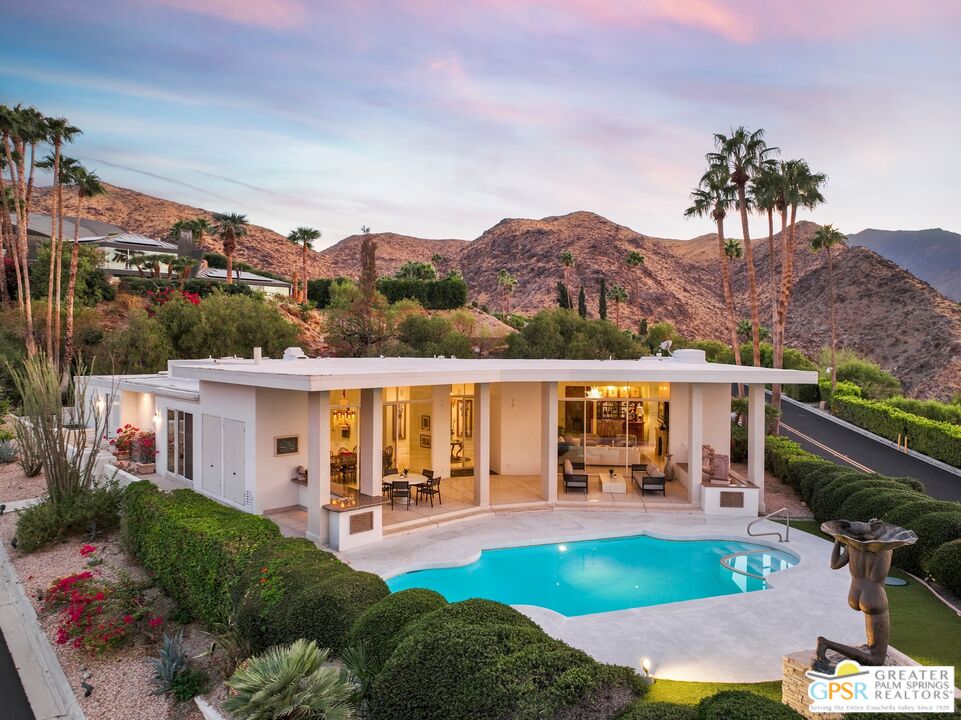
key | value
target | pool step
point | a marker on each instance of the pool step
(422, 523)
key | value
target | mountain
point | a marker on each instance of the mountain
(933, 255)
(884, 311)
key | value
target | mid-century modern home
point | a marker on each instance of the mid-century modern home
(344, 451)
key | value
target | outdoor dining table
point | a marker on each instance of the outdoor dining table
(412, 478)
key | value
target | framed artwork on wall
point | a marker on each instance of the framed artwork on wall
(286, 445)
(425, 423)
(425, 440)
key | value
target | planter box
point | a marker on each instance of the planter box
(144, 468)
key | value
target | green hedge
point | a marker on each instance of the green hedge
(933, 531)
(291, 590)
(444, 294)
(481, 660)
(843, 388)
(869, 503)
(939, 440)
(195, 547)
(382, 625)
(945, 566)
(318, 291)
(803, 393)
(743, 705)
(141, 286)
(780, 453)
(931, 409)
(659, 711)
(827, 500)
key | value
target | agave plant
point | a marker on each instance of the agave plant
(290, 682)
(8, 451)
(171, 662)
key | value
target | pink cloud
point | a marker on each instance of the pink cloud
(264, 13)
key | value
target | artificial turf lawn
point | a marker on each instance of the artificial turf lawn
(921, 626)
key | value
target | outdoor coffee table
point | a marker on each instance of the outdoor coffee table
(613, 483)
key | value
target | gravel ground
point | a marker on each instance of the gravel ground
(777, 494)
(121, 680)
(14, 485)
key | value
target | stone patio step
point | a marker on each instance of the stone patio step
(421, 523)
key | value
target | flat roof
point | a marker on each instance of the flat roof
(352, 373)
(161, 384)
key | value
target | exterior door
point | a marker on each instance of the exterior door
(212, 479)
(235, 477)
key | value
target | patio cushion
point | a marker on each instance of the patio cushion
(568, 468)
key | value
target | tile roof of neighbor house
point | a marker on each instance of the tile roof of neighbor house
(350, 373)
(247, 277)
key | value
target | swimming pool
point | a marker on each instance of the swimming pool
(593, 576)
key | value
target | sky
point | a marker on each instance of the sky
(438, 119)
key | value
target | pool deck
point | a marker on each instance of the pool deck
(733, 638)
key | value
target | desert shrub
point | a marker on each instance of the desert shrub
(318, 291)
(875, 383)
(381, 626)
(8, 451)
(203, 288)
(432, 336)
(564, 335)
(868, 503)
(196, 548)
(939, 440)
(91, 512)
(289, 681)
(944, 566)
(487, 661)
(188, 684)
(293, 590)
(743, 705)
(642, 710)
(933, 531)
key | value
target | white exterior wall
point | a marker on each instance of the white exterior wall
(515, 428)
(717, 418)
(279, 413)
(230, 402)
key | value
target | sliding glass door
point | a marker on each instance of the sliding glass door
(180, 443)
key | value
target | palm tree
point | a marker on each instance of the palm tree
(714, 196)
(200, 227)
(635, 261)
(567, 260)
(182, 266)
(745, 330)
(734, 251)
(88, 185)
(618, 295)
(141, 261)
(766, 190)
(507, 283)
(304, 235)
(745, 155)
(802, 188)
(230, 226)
(439, 262)
(6, 204)
(826, 237)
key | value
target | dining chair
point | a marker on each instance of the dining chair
(399, 489)
(430, 489)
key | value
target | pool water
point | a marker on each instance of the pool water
(593, 576)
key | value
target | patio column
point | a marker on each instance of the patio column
(549, 441)
(318, 465)
(440, 431)
(371, 448)
(695, 439)
(755, 441)
(482, 445)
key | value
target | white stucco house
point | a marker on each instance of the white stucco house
(497, 433)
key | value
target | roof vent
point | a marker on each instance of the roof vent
(690, 355)
(294, 353)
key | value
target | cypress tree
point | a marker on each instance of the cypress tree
(563, 297)
(602, 302)
(582, 303)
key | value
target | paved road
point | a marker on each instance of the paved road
(13, 701)
(838, 444)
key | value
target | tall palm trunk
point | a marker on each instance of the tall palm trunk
(728, 297)
(21, 194)
(751, 277)
(787, 283)
(58, 279)
(68, 348)
(303, 291)
(773, 266)
(54, 249)
(834, 324)
(6, 242)
(13, 242)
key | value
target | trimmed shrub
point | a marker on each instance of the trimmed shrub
(293, 590)
(488, 662)
(907, 513)
(844, 387)
(382, 625)
(744, 706)
(659, 711)
(318, 291)
(780, 453)
(931, 409)
(933, 531)
(444, 294)
(814, 482)
(802, 469)
(944, 566)
(868, 503)
(939, 440)
(827, 500)
(196, 548)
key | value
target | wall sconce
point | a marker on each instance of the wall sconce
(156, 418)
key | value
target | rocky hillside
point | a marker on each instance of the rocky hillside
(933, 255)
(884, 311)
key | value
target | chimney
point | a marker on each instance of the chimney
(258, 355)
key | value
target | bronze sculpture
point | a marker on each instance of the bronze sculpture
(866, 549)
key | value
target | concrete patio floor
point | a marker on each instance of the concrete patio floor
(733, 638)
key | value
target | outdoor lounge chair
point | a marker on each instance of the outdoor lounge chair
(653, 483)
(429, 489)
(638, 471)
(572, 480)
(399, 489)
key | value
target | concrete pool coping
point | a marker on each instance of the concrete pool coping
(729, 638)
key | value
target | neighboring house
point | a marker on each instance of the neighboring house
(120, 248)
(310, 441)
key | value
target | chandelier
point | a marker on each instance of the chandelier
(344, 414)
